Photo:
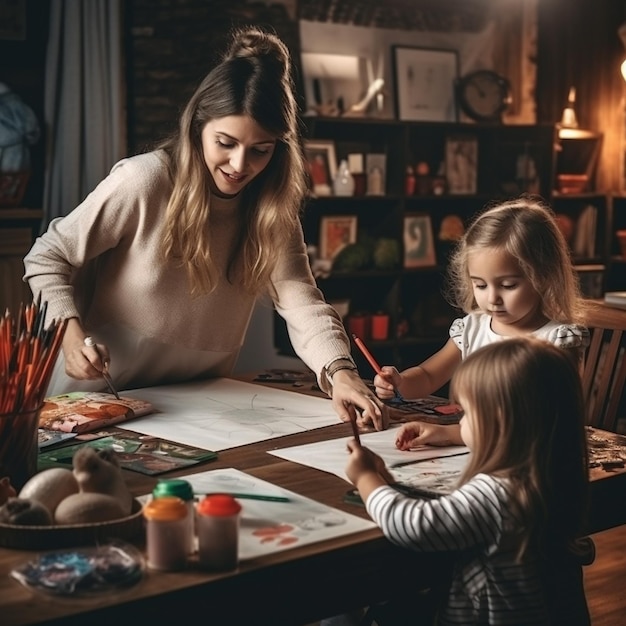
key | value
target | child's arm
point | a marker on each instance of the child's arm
(415, 434)
(421, 380)
(366, 470)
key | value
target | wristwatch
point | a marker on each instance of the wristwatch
(483, 95)
(342, 363)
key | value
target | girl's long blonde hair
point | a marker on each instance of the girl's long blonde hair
(253, 79)
(526, 228)
(526, 401)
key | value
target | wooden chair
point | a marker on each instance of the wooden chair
(604, 369)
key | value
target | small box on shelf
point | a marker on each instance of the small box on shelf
(13, 187)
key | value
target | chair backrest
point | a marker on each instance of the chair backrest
(604, 369)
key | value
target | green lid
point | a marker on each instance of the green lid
(173, 487)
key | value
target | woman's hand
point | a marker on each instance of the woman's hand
(83, 362)
(353, 401)
(387, 382)
(416, 434)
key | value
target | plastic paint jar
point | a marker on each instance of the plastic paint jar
(166, 533)
(218, 532)
(181, 489)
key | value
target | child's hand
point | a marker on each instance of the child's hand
(415, 434)
(365, 463)
(386, 382)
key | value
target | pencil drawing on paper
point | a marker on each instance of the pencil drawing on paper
(222, 413)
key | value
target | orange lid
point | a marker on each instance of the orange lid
(166, 509)
(219, 504)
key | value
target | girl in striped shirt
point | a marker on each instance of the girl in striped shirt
(515, 518)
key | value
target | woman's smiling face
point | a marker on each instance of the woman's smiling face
(236, 150)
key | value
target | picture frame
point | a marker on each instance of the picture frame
(322, 163)
(461, 161)
(332, 82)
(424, 81)
(336, 232)
(418, 239)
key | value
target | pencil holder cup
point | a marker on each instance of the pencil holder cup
(19, 446)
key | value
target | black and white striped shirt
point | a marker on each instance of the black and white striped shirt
(488, 586)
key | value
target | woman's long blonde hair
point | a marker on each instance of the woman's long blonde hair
(526, 400)
(526, 228)
(253, 79)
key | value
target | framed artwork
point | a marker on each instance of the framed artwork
(424, 82)
(332, 81)
(336, 232)
(419, 245)
(320, 156)
(461, 164)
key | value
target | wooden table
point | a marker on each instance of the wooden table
(296, 586)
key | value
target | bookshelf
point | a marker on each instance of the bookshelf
(507, 160)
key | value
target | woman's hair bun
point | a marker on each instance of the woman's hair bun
(255, 42)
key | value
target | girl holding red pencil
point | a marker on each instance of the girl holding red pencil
(512, 274)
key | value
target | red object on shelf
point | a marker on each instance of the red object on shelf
(409, 181)
(359, 325)
(380, 326)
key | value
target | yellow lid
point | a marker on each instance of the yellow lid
(165, 509)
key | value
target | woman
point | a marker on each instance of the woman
(162, 263)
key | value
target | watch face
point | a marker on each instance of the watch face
(483, 95)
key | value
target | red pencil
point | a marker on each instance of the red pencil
(372, 361)
(366, 353)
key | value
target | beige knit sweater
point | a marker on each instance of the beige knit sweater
(102, 263)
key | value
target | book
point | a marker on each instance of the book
(85, 411)
(135, 451)
(615, 299)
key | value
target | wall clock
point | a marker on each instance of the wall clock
(483, 95)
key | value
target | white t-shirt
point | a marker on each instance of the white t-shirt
(474, 331)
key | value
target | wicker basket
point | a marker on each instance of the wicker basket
(13, 187)
(71, 535)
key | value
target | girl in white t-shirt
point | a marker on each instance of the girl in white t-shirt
(512, 275)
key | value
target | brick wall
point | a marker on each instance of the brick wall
(172, 44)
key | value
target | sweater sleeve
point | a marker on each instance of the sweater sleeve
(315, 329)
(104, 220)
(471, 516)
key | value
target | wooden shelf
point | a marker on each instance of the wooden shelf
(20, 214)
(414, 296)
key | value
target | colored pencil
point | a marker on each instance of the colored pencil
(432, 458)
(367, 354)
(27, 355)
(247, 496)
(355, 430)
(372, 361)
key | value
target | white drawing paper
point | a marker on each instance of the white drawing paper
(222, 413)
(331, 455)
(267, 527)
